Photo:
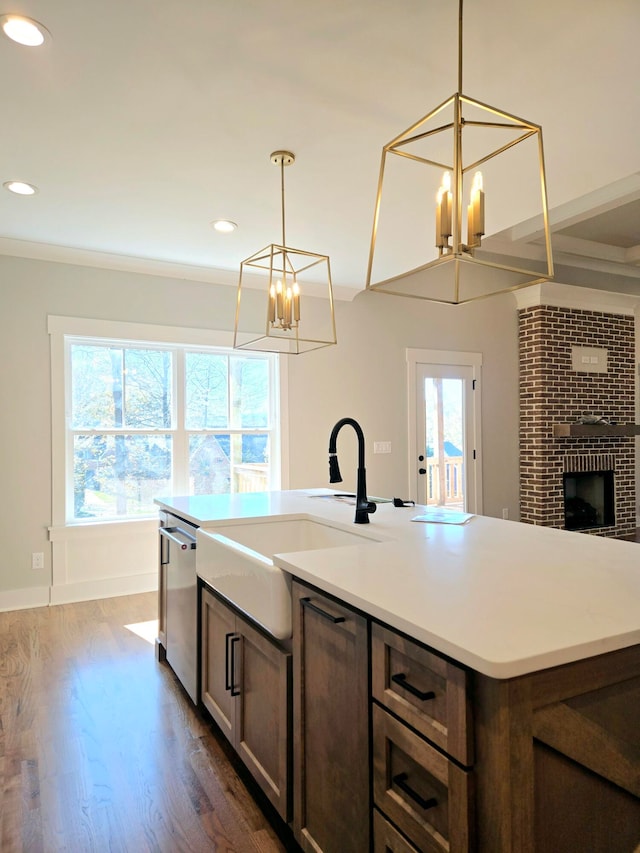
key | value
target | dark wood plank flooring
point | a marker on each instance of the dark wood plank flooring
(100, 750)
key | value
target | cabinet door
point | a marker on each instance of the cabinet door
(219, 643)
(331, 730)
(263, 673)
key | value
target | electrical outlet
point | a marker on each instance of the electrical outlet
(505, 512)
(37, 560)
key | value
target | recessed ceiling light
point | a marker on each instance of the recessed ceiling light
(224, 226)
(24, 30)
(20, 188)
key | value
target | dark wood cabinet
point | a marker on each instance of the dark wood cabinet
(161, 639)
(246, 687)
(426, 690)
(422, 721)
(558, 758)
(387, 839)
(218, 628)
(331, 724)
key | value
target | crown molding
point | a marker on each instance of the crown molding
(148, 266)
(570, 296)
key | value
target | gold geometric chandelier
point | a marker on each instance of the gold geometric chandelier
(283, 321)
(453, 141)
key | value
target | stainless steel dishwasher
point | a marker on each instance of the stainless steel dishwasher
(178, 562)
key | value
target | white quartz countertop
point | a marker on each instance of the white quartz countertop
(501, 597)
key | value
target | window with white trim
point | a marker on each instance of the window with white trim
(146, 419)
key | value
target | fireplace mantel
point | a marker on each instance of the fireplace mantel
(594, 430)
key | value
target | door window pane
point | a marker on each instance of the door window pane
(444, 418)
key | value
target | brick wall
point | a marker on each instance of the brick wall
(551, 392)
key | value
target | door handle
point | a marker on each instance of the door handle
(169, 533)
(422, 470)
(234, 639)
(227, 681)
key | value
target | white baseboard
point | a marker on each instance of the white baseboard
(23, 599)
(43, 596)
(104, 588)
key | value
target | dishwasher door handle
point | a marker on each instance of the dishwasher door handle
(169, 533)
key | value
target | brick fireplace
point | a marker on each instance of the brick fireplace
(557, 387)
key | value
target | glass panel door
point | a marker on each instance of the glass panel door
(445, 451)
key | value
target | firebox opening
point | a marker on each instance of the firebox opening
(588, 500)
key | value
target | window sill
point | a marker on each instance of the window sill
(101, 529)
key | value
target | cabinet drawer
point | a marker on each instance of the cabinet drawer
(424, 689)
(425, 794)
(387, 839)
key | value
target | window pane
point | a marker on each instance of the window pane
(118, 475)
(209, 465)
(250, 455)
(223, 463)
(207, 397)
(96, 382)
(147, 384)
(249, 393)
(118, 387)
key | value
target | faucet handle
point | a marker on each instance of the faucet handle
(363, 511)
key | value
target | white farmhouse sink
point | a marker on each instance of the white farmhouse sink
(236, 560)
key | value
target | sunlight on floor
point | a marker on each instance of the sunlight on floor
(147, 630)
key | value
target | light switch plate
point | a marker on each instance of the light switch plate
(589, 359)
(382, 447)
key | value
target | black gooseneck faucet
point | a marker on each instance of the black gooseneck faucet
(364, 507)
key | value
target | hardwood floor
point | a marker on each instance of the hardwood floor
(100, 750)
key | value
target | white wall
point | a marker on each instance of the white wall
(363, 377)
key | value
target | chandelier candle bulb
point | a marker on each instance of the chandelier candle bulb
(477, 206)
(296, 301)
(279, 301)
(287, 308)
(446, 200)
(272, 303)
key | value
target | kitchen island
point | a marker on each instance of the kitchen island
(540, 631)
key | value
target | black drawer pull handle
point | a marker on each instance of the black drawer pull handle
(235, 639)
(306, 602)
(401, 679)
(227, 680)
(401, 781)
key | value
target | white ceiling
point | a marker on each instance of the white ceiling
(141, 121)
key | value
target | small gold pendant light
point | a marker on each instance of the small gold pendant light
(297, 319)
